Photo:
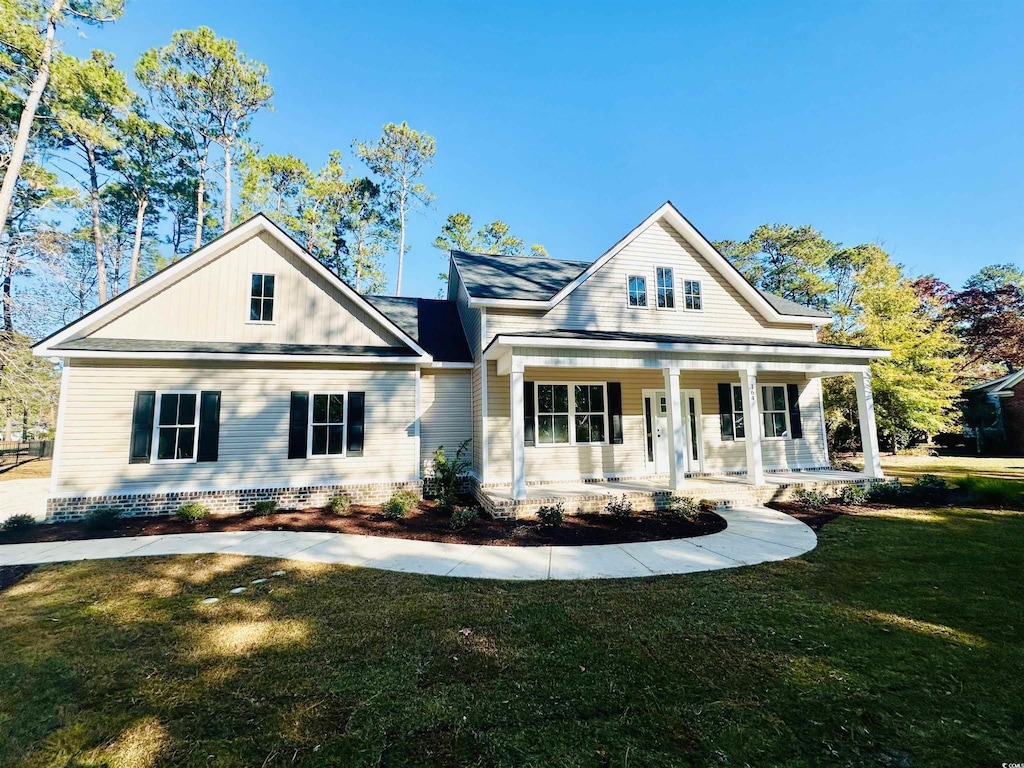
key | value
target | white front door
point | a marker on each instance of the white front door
(656, 426)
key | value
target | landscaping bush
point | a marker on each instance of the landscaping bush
(19, 522)
(399, 505)
(685, 507)
(812, 498)
(264, 508)
(620, 508)
(447, 473)
(551, 515)
(852, 495)
(993, 491)
(886, 491)
(339, 505)
(929, 489)
(103, 517)
(192, 512)
(463, 517)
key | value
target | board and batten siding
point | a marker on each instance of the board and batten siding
(445, 408)
(255, 404)
(554, 463)
(212, 304)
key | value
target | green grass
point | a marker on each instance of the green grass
(992, 491)
(909, 467)
(898, 642)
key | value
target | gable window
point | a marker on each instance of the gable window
(637, 291)
(666, 288)
(177, 429)
(737, 412)
(327, 424)
(261, 299)
(774, 411)
(581, 406)
(691, 291)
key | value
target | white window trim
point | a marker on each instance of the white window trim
(248, 305)
(672, 290)
(344, 430)
(572, 412)
(700, 285)
(647, 293)
(761, 410)
(155, 448)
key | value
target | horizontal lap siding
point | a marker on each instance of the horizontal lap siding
(446, 413)
(255, 406)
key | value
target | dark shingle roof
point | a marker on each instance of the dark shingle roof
(433, 323)
(660, 338)
(787, 307)
(230, 347)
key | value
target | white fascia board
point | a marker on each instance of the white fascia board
(497, 347)
(240, 357)
(457, 366)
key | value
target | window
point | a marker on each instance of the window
(737, 412)
(666, 288)
(261, 299)
(773, 411)
(177, 426)
(691, 292)
(585, 411)
(637, 291)
(327, 424)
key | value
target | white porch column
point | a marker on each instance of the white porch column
(676, 440)
(515, 383)
(868, 433)
(752, 426)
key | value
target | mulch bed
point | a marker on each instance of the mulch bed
(817, 519)
(426, 523)
(12, 574)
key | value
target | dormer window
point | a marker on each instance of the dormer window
(637, 291)
(666, 288)
(261, 299)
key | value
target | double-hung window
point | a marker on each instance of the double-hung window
(177, 431)
(774, 412)
(261, 299)
(739, 430)
(571, 414)
(666, 288)
(691, 294)
(637, 288)
(327, 424)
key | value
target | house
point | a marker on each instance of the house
(994, 414)
(249, 371)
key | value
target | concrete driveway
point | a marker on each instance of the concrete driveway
(19, 497)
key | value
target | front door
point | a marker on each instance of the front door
(656, 425)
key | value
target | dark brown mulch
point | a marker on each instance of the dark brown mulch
(426, 523)
(12, 574)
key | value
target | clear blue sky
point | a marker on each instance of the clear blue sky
(897, 122)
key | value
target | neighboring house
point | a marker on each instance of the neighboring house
(994, 414)
(248, 370)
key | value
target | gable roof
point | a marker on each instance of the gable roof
(434, 323)
(250, 228)
(493, 280)
(1003, 385)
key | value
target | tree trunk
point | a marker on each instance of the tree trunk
(200, 193)
(28, 114)
(97, 234)
(359, 263)
(401, 241)
(227, 187)
(8, 315)
(140, 217)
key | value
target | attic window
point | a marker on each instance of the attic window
(637, 291)
(666, 288)
(261, 299)
(693, 296)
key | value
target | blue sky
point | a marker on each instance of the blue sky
(895, 122)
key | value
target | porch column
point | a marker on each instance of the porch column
(515, 383)
(752, 426)
(676, 440)
(868, 433)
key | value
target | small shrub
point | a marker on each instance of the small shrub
(264, 508)
(811, 498)
(192, 512)
(929, 489)
(620, 508)
(339, 505)
(552, 515)
(685, 507)
(399, 505)
(19, 522)
(103, 517)
(463, 517)
(852, 495)
(842, 465)
(886, 491)
(993, 491)
(446, 474)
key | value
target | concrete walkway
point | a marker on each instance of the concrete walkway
(754, 535)
(23, 497)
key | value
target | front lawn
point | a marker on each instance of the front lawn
(898, 642)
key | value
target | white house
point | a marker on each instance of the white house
(248, 371)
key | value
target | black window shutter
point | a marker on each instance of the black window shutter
(796, 429)
(615, 411)
(297, 424)
(142, 428)
(529, 409)
(209, 426)
(725, 410)
(356, 418)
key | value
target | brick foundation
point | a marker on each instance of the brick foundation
(62, 509)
